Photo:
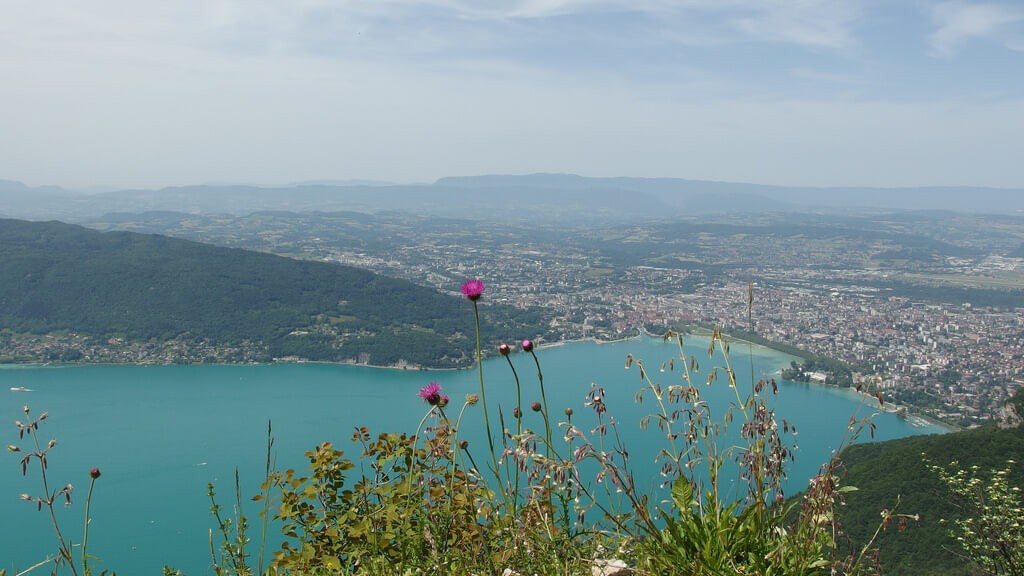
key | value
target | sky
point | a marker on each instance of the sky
(136, 93)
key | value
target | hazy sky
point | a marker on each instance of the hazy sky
(807, 92)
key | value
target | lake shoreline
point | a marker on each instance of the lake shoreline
(642, 332)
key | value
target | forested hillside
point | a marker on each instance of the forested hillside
(887, 473)
(137, 287)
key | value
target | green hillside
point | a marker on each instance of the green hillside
(885, 471)
(147, 288)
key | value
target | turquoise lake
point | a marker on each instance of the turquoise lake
(161, 433)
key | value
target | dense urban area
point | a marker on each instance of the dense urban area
(938, 328)
(955, 362)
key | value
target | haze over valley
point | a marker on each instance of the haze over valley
(536, 197)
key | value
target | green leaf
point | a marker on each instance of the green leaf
(682, 493)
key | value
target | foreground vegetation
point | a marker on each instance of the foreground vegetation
(903, 471)
(545, 495)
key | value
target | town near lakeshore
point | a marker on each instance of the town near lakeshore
(926, 308)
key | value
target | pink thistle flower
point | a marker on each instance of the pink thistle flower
(473, 289)
(527, 345)
(431, 393)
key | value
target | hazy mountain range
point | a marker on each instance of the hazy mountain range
(527, 197)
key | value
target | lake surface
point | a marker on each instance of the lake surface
(160, 433)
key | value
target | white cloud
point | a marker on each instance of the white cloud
(818, 23)
(284, 118)
(812, 23)
(958, 22)
(400, 28)
(126, 93)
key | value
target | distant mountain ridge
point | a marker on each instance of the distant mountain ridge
(679, 192)
(549, 197)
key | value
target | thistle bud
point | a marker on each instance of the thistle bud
(504, 349)
(94, 473)
(535, 406)
(527, 345)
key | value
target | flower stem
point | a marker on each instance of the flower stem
(85, 530)
(483, 394)
(64, 550)
(544, 400)
(519, 432)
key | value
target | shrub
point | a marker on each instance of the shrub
(991, 532)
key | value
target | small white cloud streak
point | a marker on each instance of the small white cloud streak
(958, 22)
(816, 23)
(811, 23)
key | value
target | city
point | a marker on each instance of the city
(927, 309)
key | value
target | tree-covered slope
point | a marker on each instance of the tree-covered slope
(897, 470)
(60, 277)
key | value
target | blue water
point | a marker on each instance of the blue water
(159, 434)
